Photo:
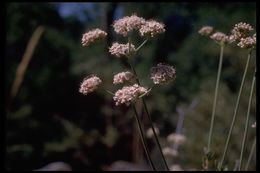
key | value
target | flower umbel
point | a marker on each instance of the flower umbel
(152, 28)
(241, 30)
(247, 43)
(162, 73)
(220, 37)
(89, 84)
(206, 30)
(120, 50)
(123, 77)
(92, 36)
(128, 94)
(127, 24)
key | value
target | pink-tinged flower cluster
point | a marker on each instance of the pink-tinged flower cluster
(123, 77)
(220, 37)
(162, 73)
(241, 30)
(120, 50)
(151, 28)
(150, 134)
(206, 30)
(89, 84)
(167, 151)
(92, 36)
(176, 138)
(247, 43)
(128, 94)
(127, 24)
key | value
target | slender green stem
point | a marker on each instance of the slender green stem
(109, 92)
(148, 91)
(247, 122)
(150, 120)
(143, 139)
(216, 96)
(251, 154)
(235, 113)
(141, 45)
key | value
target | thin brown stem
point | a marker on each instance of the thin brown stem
(150, 120)
(143, 138)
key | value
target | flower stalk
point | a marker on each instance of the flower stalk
(247, 123)
(250, 155)
(216, 96)
(150, 120)
(143, 138)
(235, 112)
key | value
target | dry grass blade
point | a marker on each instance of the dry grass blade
(21, 69)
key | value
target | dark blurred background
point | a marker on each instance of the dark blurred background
(48, 120)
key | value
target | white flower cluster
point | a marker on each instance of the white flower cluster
(120, 50)
(162, 73)
(248, 42)
(129, 23)
(241, 30)
(128, 94)
(89, 84)
(92, 36)
(152, 28)
(123, 77)
(206, 30)
(220, 37)
(241, 35)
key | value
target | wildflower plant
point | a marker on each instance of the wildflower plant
(221, 39)
(242, 37)
(132, 89)
(241, 34)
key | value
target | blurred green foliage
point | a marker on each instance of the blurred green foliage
(50, 121)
